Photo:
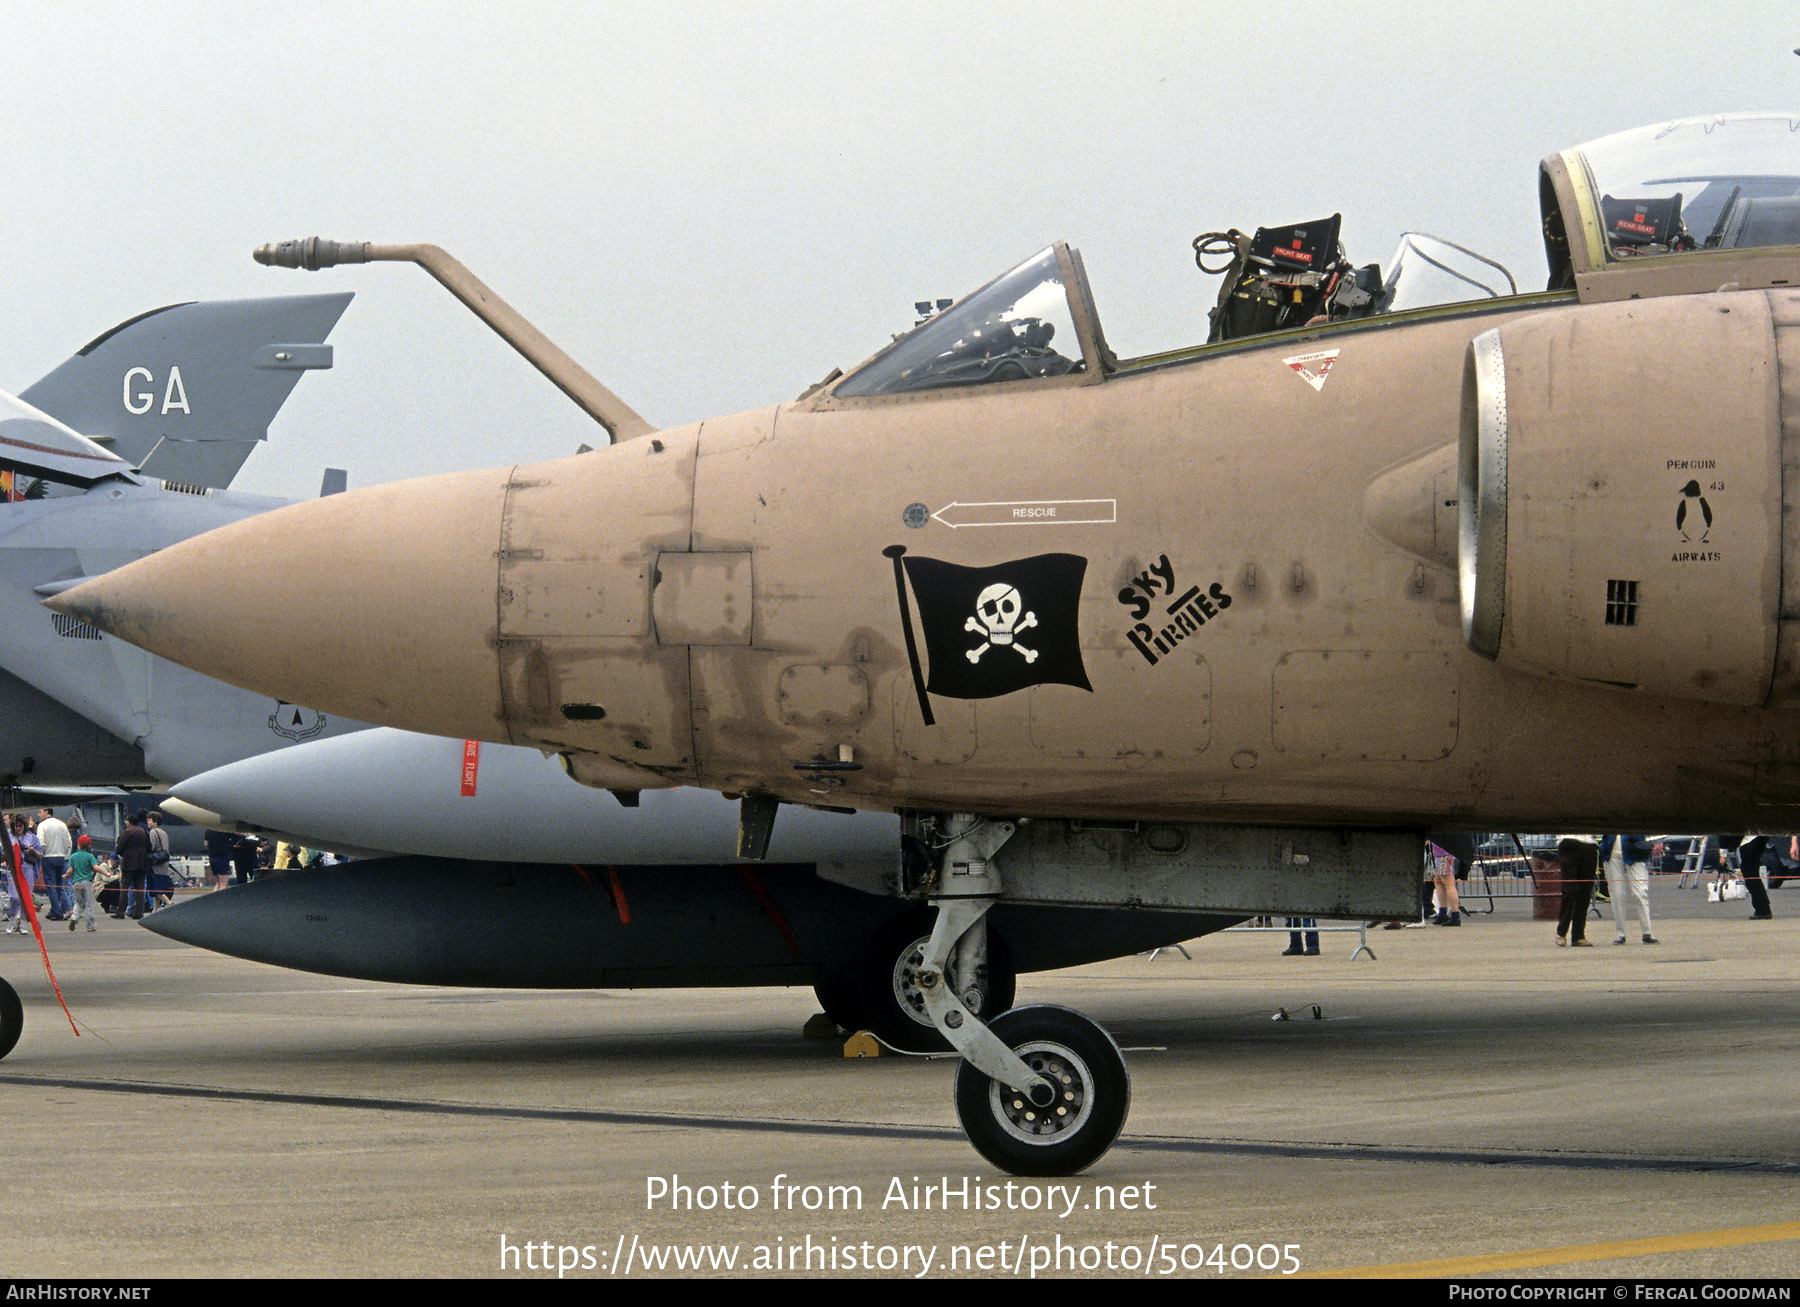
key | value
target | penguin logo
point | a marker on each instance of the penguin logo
(1692, 491)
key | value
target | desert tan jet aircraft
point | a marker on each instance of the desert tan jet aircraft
(1225, 628)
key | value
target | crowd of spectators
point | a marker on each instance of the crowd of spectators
(73, 881)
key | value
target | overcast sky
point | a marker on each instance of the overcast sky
(712, 205)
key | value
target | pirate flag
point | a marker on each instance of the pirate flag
(992, 630)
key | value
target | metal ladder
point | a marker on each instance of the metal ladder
(1690, 866)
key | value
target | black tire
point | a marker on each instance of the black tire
(891, 1003)
(12, 1018)
(1071, 1135)
(840, 998)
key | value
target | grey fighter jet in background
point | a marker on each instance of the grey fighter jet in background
(122, 450)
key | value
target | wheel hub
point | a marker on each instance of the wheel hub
(1067, 1106)
(906, 983)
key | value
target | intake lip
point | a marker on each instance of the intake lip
(1481, 485)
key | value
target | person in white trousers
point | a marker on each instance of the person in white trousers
(1627, 862)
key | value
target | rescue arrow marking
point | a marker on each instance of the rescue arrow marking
(1031, 512)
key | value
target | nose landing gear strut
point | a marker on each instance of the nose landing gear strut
(1042, 1090)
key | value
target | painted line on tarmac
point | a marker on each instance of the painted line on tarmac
(876, 1130)
(1460, 1157)
(593, 1116)
(1528, 1259)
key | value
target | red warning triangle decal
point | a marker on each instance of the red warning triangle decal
(1313, 368)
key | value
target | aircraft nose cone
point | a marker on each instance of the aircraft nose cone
(377, 605)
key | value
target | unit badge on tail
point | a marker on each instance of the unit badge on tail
(990, 631)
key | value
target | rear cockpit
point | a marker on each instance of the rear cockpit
(1692, 195)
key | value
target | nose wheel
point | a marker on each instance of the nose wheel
(12, 1018)
(1055, 1133)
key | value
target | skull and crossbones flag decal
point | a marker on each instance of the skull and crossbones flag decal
(993, 630)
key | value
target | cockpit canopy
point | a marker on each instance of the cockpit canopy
(32, 443)
(1032, 323)
(1698, 185)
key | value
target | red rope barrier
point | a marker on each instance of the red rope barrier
(30, 905)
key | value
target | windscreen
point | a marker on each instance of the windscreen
(1014, 328)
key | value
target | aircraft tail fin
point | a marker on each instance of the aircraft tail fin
(183, 393)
